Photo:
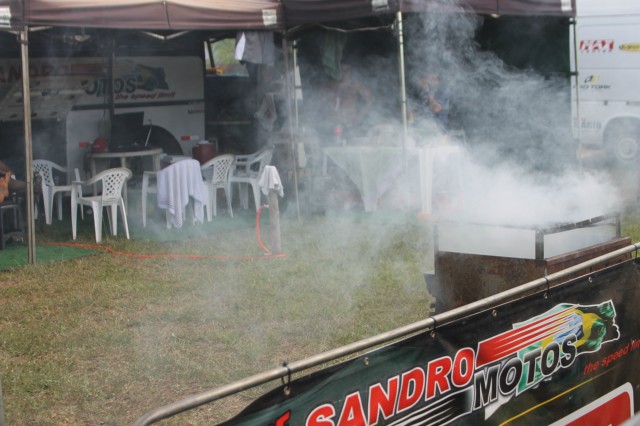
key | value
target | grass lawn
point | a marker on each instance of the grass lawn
(105, 338)
(102, 339)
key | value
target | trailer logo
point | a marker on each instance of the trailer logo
(147, 78)
(596, 46)
(630, 47)
(592, 82)
(503, 366)
(587, 124)
(134, 78)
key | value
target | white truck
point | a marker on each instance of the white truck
(71, 105)
(605, 52)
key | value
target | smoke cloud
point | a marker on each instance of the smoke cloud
(512, 116)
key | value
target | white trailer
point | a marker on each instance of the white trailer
(71, 104)
(605, 52)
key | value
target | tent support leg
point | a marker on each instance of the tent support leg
(28, 151)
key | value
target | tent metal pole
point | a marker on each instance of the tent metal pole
(403, 87)
(112, 76)
(403, 96)
(296, 88)
(290, 81)
(576, 80)
(28, 145)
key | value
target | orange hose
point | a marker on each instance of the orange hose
(266, 250)
(176, 255)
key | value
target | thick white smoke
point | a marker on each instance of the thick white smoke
(521, 166)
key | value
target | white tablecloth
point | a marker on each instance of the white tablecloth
(375, 170)
(176, 184)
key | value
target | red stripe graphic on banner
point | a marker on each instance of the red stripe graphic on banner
(512, 341)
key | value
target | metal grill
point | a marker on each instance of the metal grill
(473, 261)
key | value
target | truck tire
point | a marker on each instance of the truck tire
(160, 138)
(623, 142)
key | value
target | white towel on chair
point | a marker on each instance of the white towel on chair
(176, 184)
(270, 179)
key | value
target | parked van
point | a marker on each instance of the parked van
(605, 52)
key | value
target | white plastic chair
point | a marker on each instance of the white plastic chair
(113, 181)
(246, 170)
(216, 176)
(50, 190)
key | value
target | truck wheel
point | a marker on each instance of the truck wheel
(623, 143)
(160, 138)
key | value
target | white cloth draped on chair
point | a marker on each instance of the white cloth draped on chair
(175, 185)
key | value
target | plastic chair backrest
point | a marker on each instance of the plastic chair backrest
(216, 170)
(45, 169)
(112, 183)
(264, 159)
(252, 164)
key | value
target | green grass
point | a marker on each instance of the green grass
(104, 339)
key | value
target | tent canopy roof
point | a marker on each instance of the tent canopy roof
(243, 14)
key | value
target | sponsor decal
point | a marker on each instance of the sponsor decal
(11, 73)
(482, 377)
(591, 82)
(630, 47)
(587, 124)
(596, 46)
(135, 82)
(146, 78)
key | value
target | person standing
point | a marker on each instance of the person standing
(4, 186)
(348, 101)
(433, 102)
(8, 185)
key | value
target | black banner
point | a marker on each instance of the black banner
(570, 356)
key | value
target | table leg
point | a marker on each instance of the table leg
(74, 211)
(324, 164)
(156, 162)
(366, 185)
(426, 180)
